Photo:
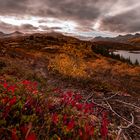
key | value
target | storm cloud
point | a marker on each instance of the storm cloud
(23, 28)
(128, 21)
(115, 16)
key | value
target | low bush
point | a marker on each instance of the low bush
(29, 112)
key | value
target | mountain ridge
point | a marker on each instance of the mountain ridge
(119, 38)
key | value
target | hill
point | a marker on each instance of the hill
(113, 45)
(56, 83)
(135, 41)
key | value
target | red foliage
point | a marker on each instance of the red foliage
(24, 129)
(12, 88)
(32, 106)
(79, 106)
(26, 82)
(71, 124)
(31, 136)
(5, 100)
(65, 119)
(13, 101)
(55, 118)
(6, 111)
(69, 94)
(80, 132)
(104, 126)
(72, 103)
(89, 108)
(14, 136)
(5, 85)
(77, 97)
(89, 129)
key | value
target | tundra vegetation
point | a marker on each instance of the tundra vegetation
(58, 87)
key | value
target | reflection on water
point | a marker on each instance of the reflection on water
(132, 55)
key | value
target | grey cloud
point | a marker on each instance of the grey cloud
(27, 27)
(56, 28)
(46, 28)
(4, 27)
(10, 28)
(13, 7)
(84, 12)
(81, 28)
(125, 22)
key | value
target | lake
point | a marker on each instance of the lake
(133, 55)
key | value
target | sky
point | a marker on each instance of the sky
(86, 18)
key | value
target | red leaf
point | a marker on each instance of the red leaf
(5, 100)
(55, 118)
(14, 136)
(26, 82)
(35, 84)
(104, 126)
(89, 129)
(78, 97)
(72, 103)
(5, 85)
(13, 101)
(12, 88)
(24, 129)
(71, 125)
(65, 119)
(79, 106)
(80, 132)
(69, 93)
(31, 136)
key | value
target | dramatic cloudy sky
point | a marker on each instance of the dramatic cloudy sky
(78, 17)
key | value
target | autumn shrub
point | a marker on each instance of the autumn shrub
(29, 112)
(68, 65)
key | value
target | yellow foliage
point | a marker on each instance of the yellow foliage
(79, 51)
(68, 65)
(117, 68)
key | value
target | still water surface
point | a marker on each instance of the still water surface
(133, 55)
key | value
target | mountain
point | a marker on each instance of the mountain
(100, 38)
(2, 34)
(16, 33)
(120, 38)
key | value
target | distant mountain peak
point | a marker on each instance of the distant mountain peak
(14, 34)
(17, 32)
(1, 32)
(119, 38)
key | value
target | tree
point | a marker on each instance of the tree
(136, 62)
